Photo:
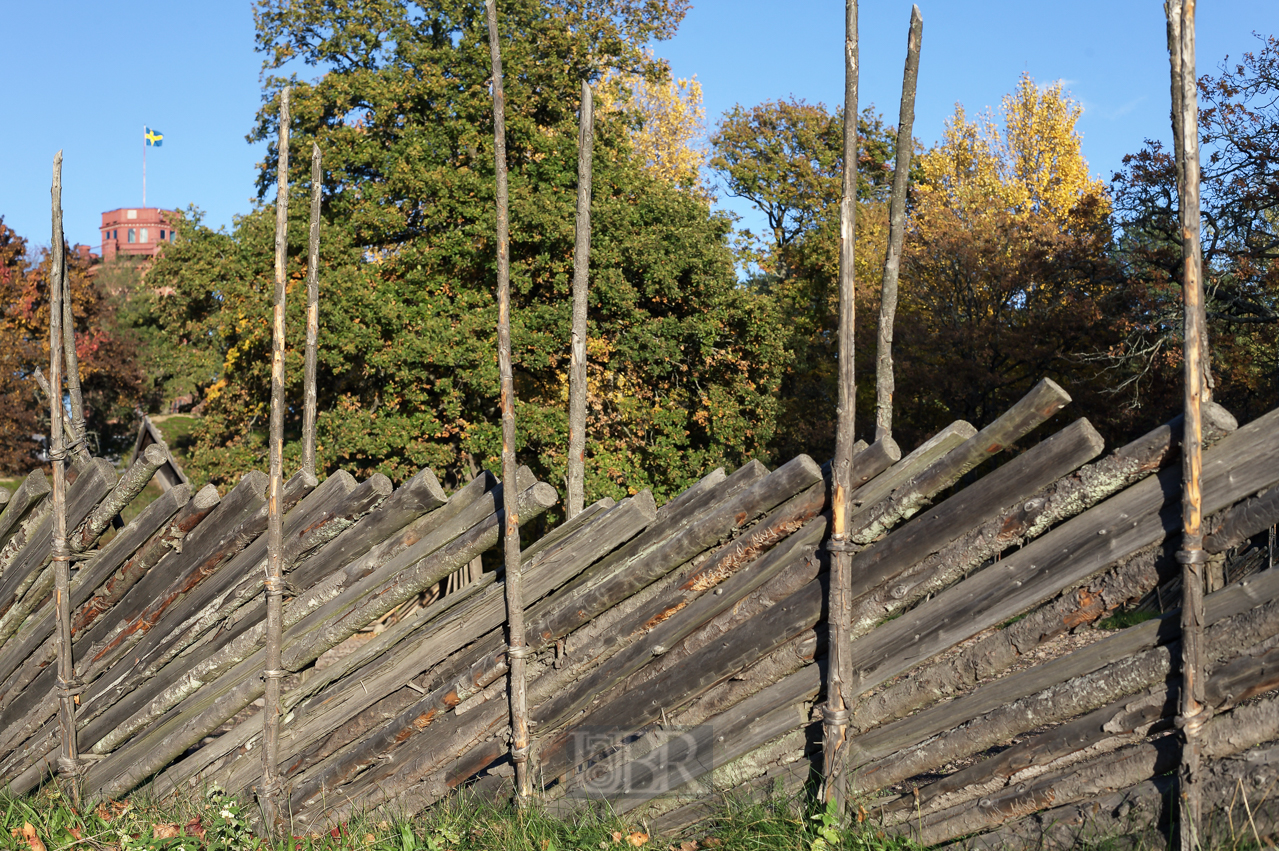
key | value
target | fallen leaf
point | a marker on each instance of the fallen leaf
(712, 842)
(164, 830)
(369, 838)
(75, 833)
(688, 845)
(194, 828)
(617, 837)
(638, 838)
(110, 810)
(28, 834)
(336, 832)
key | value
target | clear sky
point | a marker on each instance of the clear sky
(86, 77)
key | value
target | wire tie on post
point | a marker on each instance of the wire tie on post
(520, 754)
(274, 674)
(70, 688)
(835, 717)
(521, 652)
(841, 545)
(1192, 556)
(274, 586)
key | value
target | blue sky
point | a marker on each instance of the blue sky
(189, 70)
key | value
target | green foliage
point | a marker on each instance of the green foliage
(1126, 618)
(682, 362)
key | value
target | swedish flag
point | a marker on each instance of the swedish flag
(154, 138)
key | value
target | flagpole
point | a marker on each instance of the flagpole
(144, 166)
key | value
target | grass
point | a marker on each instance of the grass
(1125, 619)
(46, 821)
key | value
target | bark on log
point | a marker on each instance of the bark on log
(923, 457)
(651, 630)
(130, 485)
(35, 638)
(930, 531)
(466, 674)
(34, 488)
(203, 712)
(1223, 736)
(1044, 400)
(576, 497)
(1053, 692)
(1242, 464)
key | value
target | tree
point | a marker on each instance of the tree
(1006, 264)
(110, 379)
(1239, 196)
(669, 133)
(681, 371)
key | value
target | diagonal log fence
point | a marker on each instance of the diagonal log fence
(653, 631)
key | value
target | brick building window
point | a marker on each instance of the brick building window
(133, 236)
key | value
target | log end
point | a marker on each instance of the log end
(37, 484)
(256, 481)
(379, 484)
(428, 484)
(1216, 422)
(206, 498)
(646, 504)
(155, 455)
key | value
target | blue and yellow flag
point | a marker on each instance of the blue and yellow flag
(154, 139)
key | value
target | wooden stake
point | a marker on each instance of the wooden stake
(884, 384)
(1185, 116)
(68, 688)
(312, 316)
(581, 261)
(274, 584)
(517, 650)
(839, 673)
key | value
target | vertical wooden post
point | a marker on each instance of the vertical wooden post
(516, 651)
(581, 263)
(74, 393)
(312, 316)
(68, 687)
(1185, 116)
(839, 671)
(884, 383)
(274, 584)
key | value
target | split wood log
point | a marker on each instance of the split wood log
(1223, 736)
(884, 384)
(130, 485)
(26, 584)
(657, 551)
(992, 654)
(165, 687)
(1050, 693)
(735, 572)
(576, 497)
(109, 638)
(465, 675)
(739, 647)
(1045, 399)
(186, 624)
(1120, 723)
(694, 495)
(1241, 464)
(1239, 523)
(34, 488)
(116, 553)
(926, 533)
(204, 711)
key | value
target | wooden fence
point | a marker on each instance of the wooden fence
(678, 652)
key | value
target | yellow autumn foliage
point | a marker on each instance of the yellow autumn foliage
(669, 140)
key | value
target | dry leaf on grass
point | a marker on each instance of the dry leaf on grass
(75, 833)
(688, 845)
(194, 828)
(617, 837)
(27, 833)
(110, 810)
(164, 830)
(638, 838)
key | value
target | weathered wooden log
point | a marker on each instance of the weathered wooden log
(884, 383)
(930, 531)
(130, 485)
(657, 552)
(17, 508)
(1044, 400)
(1050, 693)
(160, 689)
(902, 471)
(738, 648)
(569, 559)
(26, 584)
(1120, 723)
(992, 654)
(203, 712)
(1240, 522)
(1242, 464)
(140, 609)
(312, 317)
(1222, 736)
(79, 452)
(652, 629)
(694, 496)
(868, 462)
(576, 497)
(18, 651)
